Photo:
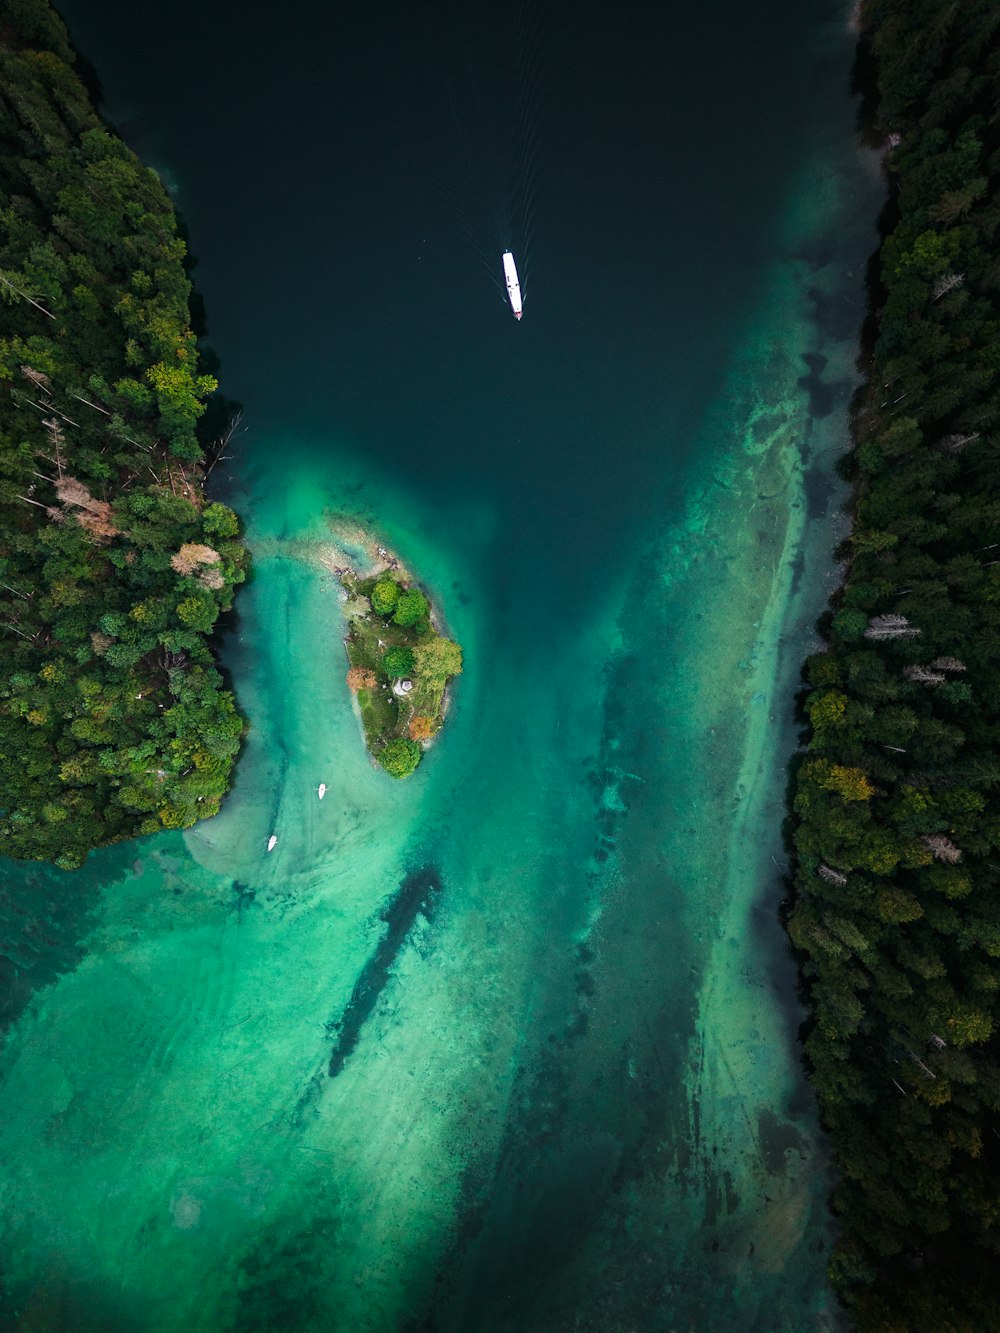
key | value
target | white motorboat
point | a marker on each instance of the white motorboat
(513, 285)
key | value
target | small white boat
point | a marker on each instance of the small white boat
(322, 790)
(513, 286)
(271, 841)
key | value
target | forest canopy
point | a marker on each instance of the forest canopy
(113, 566)
(897, 820)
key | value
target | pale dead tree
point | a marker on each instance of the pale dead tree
(96, 406)
(116, 428)
(948, 664)
(213, 579)
(69, 420)
(10, 624)
(191, 555)
(7, 283)
(832, 876)
(937, 1042)
(92, 514)
(922, 676)
(890, 627)
(221, 445)
(75, 493)
(36, 377)
(919, 1063)
(57, 440)
(30, 401)
(49, 509)
(171, 661)
(188, 489)
(954, 444)
(947, 284)
(943, 848)
(51, 407)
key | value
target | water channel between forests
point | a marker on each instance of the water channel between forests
(510, 1045)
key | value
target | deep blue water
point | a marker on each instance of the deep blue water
(330, 159)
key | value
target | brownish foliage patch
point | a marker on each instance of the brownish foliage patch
(421, 727)
(191, 555)
(92, 514)
(360, 678)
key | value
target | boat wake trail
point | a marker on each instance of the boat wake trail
(482, 146)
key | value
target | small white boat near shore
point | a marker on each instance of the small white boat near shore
(321, 790)
(271, 841)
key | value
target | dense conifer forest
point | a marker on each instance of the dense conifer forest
(113, 566)
(897, 826)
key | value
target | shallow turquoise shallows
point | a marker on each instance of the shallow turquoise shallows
(509, 1046)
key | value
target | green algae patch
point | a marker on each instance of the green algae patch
(400, 663)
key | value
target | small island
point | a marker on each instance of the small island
(399, 662)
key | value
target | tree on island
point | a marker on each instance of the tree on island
(400, 757)
(411, 607)
(398, 660)
(360, 678)
(422, 727)
(384, 597)
(436, 661)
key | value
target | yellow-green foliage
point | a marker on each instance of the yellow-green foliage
(437, 660)
(850, 783)
(827, 709)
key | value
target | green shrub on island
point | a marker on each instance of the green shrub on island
(437, 661)
(384, 597)
(400, 757)
(398, 661)
(113, 569)
(411, 608)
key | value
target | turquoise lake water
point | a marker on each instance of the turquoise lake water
(510, 1046)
